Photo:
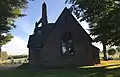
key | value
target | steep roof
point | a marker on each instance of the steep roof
(71, 16)
(51, 26)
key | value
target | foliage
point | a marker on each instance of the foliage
(111, 51)
(10, 10)
(5, 38)
(3, 55)
(103, 18)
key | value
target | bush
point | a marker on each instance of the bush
(111, 51)
(118, 48)
(3, 55)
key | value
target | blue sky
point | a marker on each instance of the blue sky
(25, 25)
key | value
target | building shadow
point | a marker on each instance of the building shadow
(103, 71)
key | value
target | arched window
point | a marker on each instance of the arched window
(67, 44)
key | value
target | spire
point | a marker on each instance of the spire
(44, 14)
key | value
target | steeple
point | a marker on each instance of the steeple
(44, 14)
(43, 21)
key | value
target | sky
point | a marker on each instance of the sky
(25, 25)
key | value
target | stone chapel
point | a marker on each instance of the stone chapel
(63, 43)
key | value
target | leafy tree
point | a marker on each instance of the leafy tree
(4, 39)
(111, 51)
(10, 10)
(103, 18)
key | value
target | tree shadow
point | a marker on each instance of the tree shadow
(103, 71)
(17, 73)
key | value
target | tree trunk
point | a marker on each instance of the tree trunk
(0, 50)
(104, 52)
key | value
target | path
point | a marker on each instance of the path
(9, 67)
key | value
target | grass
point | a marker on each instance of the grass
(105, 69)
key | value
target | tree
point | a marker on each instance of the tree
(4, 39)
(10, 10)
(111, 51)
(103, 18)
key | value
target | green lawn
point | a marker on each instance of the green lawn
(105, 69)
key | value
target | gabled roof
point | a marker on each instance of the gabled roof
(68, 11)
(70, 15)
(51, 27)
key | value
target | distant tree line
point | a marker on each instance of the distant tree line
(5, 56)
(17, 56)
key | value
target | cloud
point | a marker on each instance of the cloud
(16, 46)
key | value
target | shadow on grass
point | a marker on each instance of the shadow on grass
(64, 72)
(17, 73)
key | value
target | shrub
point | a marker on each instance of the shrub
(118, 48)
(3, 55)
(111, 51)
